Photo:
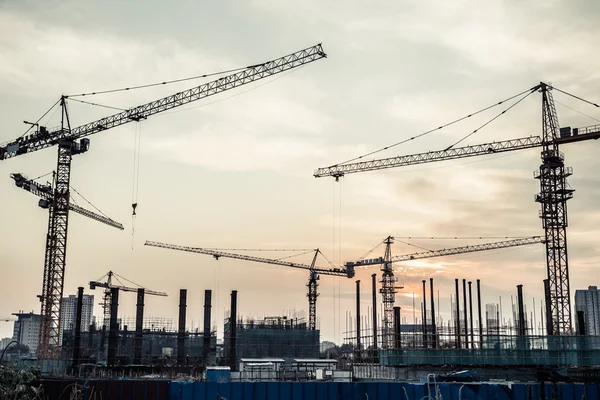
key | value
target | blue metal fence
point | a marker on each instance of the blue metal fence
(377, 391)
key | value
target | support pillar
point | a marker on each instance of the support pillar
(181, 331)
(397, 337)
(374, 289)
(548, 300)
(233, 331)
(114, 328)
(464, 281)
(207, 319)
(471, 315)
(139, 326)
(521, 328)
(457, 333)
(77, 344)
(424, 316)
(434, 339)
(479, 310)
(358, 344)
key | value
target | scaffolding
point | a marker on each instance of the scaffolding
(272, 336)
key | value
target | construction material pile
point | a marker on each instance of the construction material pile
(19, 384)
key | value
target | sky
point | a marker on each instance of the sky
(235, 171)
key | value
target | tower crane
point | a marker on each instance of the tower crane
(553, 195)
(388, 289)
(313, 272)
(108, 284)
(72, 141)
(46, 194)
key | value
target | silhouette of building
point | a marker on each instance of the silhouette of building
(588, 301)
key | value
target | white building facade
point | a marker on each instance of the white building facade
(27, 330)
(69, 312)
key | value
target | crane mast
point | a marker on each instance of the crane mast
(72, 141)
(553, 195)
(49, 295)
(388, 294)
(312, 294)
(56, 244)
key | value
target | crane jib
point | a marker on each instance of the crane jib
(46, 193)
(347, 272)
(44, 138)
(567, 136)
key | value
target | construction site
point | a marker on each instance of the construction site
(415, 329)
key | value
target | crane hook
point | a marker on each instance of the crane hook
(134, 205)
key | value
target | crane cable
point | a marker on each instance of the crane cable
(370, 251)
(40, 118)
(136, 177)
(576, 97)
(459, 237)
(577, 111)
(294, 255)
(128, 280)
(223, 249)
(413, 245)
(99, 105)
(160, 83)
(491, 120)
(89, 202)
(435, 129)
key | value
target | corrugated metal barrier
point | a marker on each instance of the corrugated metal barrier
(377, 391)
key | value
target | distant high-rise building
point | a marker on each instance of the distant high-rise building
(325, 345)
(4, 342)
(27, 330)
(69, 312)
(588, 301)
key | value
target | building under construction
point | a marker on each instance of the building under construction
(158, 345)
(280, 337)
(513, 344)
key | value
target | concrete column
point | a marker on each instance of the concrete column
(77, 344)
(207, 319)
(139, 325)
(181, 330)
(113, 333)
